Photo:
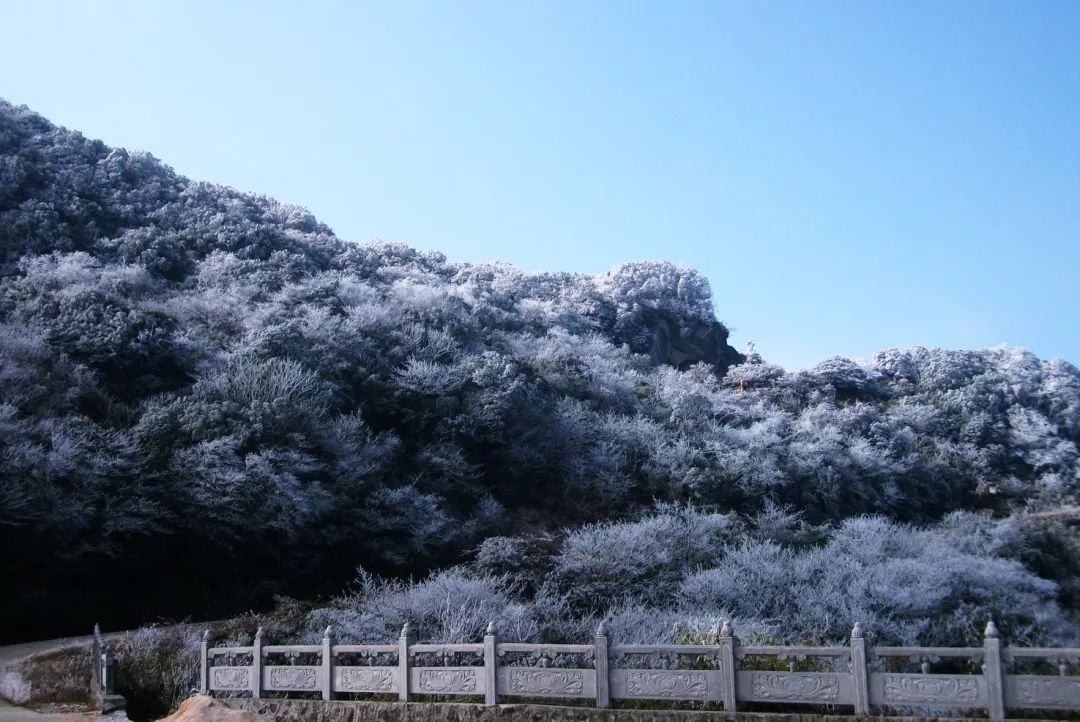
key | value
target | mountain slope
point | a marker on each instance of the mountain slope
(209, 396)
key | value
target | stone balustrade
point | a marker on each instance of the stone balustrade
(859, 676)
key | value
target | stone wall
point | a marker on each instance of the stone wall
(303, 710)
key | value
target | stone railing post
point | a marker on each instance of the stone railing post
(600, 661)
(103, 676)
(95, 665)
(256, 664)
(327, 670)
(204, 663)
(491, 661)
(403, 663)
(858, 671)
(726, 646)
(995, 679)
(107, 684)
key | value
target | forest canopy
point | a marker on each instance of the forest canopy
(208, 399)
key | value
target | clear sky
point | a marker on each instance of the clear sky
(850, 176)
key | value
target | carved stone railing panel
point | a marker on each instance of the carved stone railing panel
(291, 679)
(446, 680)
(372, 680)
(1042, 692)
(794, 687)
(665, 684)
(545, 682)
(940, 690)
(230, 679)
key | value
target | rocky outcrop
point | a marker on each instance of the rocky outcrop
(682, 343)
(201, 708)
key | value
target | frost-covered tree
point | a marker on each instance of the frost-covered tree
(191, 373)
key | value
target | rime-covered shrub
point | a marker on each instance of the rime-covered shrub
(641, 560)
(904, 585)
(157, 668)
(449, 606)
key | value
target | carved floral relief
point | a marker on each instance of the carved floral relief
(804, 688)
(292, 677)
(448, 680)
(1061, 692)
(666, 684)
(546, 681)
(931, 689)
(366, 680)
(231, 678)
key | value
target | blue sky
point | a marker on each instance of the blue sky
(849, 176)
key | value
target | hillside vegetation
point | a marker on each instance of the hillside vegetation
(207, 399)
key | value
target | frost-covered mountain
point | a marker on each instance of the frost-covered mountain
(207, 398)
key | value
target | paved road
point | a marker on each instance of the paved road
(13, 652)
